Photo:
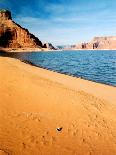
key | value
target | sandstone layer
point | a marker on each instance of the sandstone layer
(13, 35)
(99, 43)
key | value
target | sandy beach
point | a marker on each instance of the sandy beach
(47, 113)
(24, 49)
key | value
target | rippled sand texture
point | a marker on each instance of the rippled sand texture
(46, 113)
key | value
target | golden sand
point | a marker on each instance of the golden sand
(25, 49)
(47, 113)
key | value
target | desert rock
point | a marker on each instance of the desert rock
(13, 35)
(99, 43)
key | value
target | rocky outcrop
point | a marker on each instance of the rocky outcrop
(49, 46)
(13, 35)
(5, 15)
(99, 43)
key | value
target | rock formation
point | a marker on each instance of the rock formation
(5, 15)
(99, 43)
(13, 35)
(49, 46)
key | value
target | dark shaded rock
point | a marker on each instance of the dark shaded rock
(49, 46)
(59, 128)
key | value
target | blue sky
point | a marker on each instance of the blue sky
(64, 21)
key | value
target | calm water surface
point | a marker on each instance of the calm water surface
(98, 66)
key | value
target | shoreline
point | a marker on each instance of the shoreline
(9, 50)
(91, 49)
(71, 75)
(8, 54)
(32, 64)
(44, 112)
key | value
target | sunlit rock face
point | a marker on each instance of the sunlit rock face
(13, 35)
(105, 42)
(99, 43)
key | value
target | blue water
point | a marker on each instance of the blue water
(98, 66)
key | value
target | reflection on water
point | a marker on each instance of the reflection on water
(99, 66)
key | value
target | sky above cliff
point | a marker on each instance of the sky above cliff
(64, 21)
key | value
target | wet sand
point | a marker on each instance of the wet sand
(24, 49)
(47, 113)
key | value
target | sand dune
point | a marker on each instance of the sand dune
(46, 113)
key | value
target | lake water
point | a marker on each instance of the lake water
(98, 66)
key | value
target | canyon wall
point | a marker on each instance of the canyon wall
(13, 35)
(99, 43)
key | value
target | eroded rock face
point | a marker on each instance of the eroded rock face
(5, 15)
(13, 35)
(99, 43)
(49, 46)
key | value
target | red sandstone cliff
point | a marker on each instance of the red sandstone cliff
(99, 43)
(13, 35)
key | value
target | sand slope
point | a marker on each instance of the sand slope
(35, 102)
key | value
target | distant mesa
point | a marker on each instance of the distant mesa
(12, 35)
(99, 43)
